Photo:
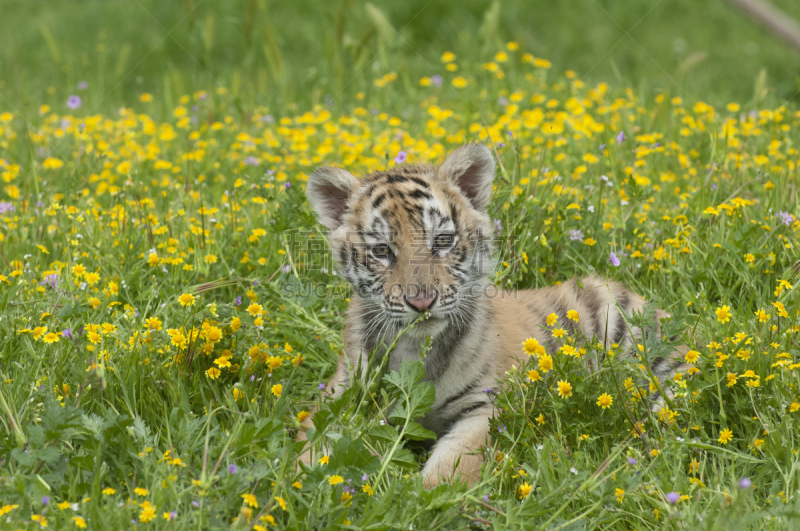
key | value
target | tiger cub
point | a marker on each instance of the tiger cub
(417, 238)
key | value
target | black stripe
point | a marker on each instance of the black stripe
(468, 409)
(461, 394)
(418, 193)
(378, 200)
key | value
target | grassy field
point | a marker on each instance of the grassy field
(163, 329)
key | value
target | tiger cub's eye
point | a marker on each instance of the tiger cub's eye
(443, 241)
(381, 251)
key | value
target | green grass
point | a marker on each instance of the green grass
(110, 212)
(278, 53)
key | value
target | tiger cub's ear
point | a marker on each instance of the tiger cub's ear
(328, 191)
(471, 168)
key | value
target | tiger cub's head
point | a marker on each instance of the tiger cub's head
(411, 238)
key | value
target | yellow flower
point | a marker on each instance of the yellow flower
(79, 522)
(541, 63)
(254, 309)
(559, 333)
(459, 82)
(534, 376)
(691, 356)
(605, 400)
(222, 362)
(552, 319)
(367, 490)
(523, 490)
(51, 337)
(532, 347)
(725, 436)
(731, 379)
(178, 339)
(545, 363)
(187, 299)
(303, 415)
(38, 332)
(277, 389)
(108, 491)
(52, 163)
(213, 373)
(324, 460)
(762, 316)
(250, 500)
(723, 314)
(335, 480)
(620, 494)
(794, 406)
(573, 315)
(281, 502)
(564, 389)
(141, 492)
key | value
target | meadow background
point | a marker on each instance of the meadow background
(158, 341)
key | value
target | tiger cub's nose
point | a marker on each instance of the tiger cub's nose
(421, 302)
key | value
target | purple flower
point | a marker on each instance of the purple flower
(287, 185)
(502, 101)
(785, 217)
(6, 207)
(497, 225)
(322, 387)
(436, 80)
(602, 147)
(251, 161)
(400, 158)
(51, 280)
(238, 301)
(745, 483)
(575, 234)
(713, 187)
(232, 468)
(620, 138)
(172, 515)
(286, 268)
(365, 477)
(613, 260)
(67, 332)
(83, 85)
(73, 102)
(631, 461)
(255, 283)
(45, 500)
(486, 498)
(673, 497)
(196, 503)
(487, 390)
(500, 145)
